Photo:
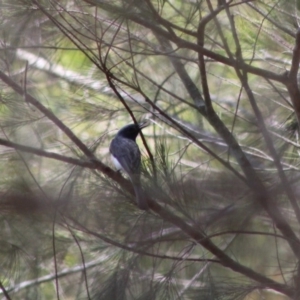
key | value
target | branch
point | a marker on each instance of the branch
(138, 247)
(70, 76)
(91, 164)
(225, 260)
(69, 160)
(182, 43)
(30, 99)
(291, 78)
(258, 187)
(4, 291)
(168, 216)
(50, 277)
(200, 238)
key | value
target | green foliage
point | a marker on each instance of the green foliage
(218, 82)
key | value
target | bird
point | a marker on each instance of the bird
(126, 156)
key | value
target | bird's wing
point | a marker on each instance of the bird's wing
(128, 155)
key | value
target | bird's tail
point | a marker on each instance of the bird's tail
(140, 197)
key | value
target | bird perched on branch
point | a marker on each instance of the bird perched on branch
(126, 156)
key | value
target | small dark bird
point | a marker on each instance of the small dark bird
(126, 156)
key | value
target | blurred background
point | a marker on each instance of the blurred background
(217, 80)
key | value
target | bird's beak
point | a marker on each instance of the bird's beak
(144, 124)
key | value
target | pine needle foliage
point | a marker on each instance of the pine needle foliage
(218, 82)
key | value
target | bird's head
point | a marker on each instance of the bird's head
(131, 131)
